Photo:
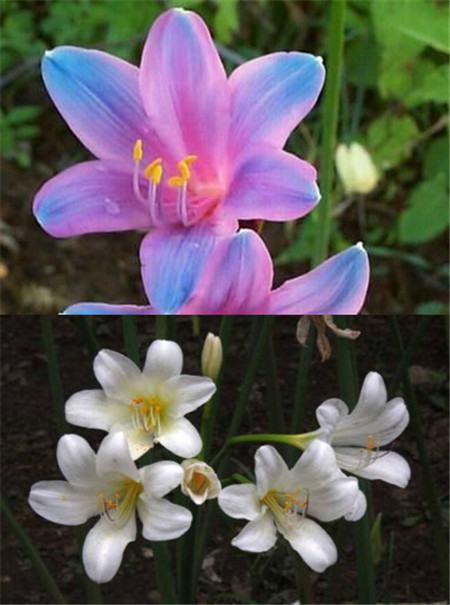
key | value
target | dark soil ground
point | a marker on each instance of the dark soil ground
(407, 572)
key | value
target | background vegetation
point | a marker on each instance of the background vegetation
(393, 99)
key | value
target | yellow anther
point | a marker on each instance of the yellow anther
(370, 442)
(138, 151)
(198, 481)
(185, 173)
(154, 171)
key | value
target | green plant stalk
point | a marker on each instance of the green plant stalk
(348, 386)
(276, 417)
(301, 385)
(210, 409)
(163, 566)
(408, 353)
(85, 327)
(38, 564)
(431, 493)
(330, 112)
(53, 373)
(258, 343)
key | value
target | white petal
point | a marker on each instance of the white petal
(316, 466)
(93, 410)
(330, 413)
(240, 501)
(116, 373)
(387, 466)
(390, 421)
(257, 536)
(270, 469)
(104, 546)
(181, 437)
(76, 459)
(161, 519)
(333, 499)
(372, 398)
(139, 441)
(311, 542)
(161, 477)
(187, 393)
(60, 502)
(164, 359)
(359, 508)
(114, 457)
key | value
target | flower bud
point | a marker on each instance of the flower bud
(212, 356)
(356, 169)
(200, 482)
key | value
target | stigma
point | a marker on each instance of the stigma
(153, 173)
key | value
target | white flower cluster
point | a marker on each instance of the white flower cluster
(283, 499)
(138, 409)
(142, 408)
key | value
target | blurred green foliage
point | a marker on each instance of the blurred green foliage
(394, 98)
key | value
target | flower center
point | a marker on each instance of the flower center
(146, 413)
(198, 482)
(119, 502)
(153, 172)
(282, 504)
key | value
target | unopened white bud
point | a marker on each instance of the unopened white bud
(212, 356)
(356, 169)
(200, 482)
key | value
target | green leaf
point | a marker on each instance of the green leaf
(436, 158)
(390, 138)
(427, 23)
(427, 214)
(429, 83)
(226, 20)
(375, 538)
(397, 52)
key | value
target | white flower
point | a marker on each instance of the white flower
(282, 500)
(200, 482)
(357, 437)
(356, 169)
(212, 355)
(148, 406)
(109, 484)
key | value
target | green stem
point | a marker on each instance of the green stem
(431, 493)
(35, 559)
(330, 123)
(130, 338)
(53, 373)
(276, 418)
(408, 353)
(348, 386)
(163, 565)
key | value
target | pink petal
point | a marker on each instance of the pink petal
(337, 286)
(184, 88)
(173, 260)
(237, 279)
(91, 197)
(272, 185)
(98, 96)
(271, 95)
